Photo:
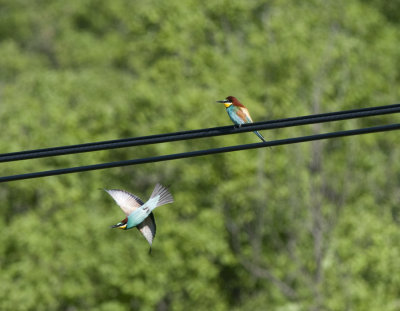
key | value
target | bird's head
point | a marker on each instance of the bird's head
(229, 101)
(121, 224)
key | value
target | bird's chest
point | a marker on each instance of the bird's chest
(235, 114)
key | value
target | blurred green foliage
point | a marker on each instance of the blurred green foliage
(313, 226)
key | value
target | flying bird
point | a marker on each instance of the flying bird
(139, 214)
(238, 113)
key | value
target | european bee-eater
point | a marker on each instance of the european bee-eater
(139, 214)
(238, 113)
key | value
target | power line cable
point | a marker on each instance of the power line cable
(374, 129)
(200, 133)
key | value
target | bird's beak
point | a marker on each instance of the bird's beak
(119, 226)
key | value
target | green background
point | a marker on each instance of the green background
(311, 226)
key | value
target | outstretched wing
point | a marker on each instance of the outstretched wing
(128, 202)
(148, 228)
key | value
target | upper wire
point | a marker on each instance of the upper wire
(200, 133)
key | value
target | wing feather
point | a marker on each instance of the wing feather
(128, 202)
(148, 228)
(245, 115)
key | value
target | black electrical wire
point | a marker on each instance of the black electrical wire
(375, 129)
(209, 132)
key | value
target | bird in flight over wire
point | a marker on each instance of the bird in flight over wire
(139, 214)
(238, 113)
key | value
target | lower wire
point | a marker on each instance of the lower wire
(280, 142)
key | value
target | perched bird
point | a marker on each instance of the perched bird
(238, 113)
(139, 214)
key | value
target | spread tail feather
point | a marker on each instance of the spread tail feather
(259, 135)
(165, 195)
